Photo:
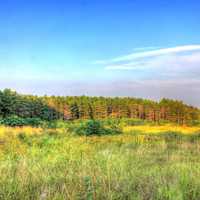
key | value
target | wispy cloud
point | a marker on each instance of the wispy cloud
(174, 67)
(163, 58)
(153, 53)
(140, 49)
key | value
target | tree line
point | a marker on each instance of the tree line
(84, 107)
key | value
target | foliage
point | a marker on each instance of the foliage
(35, 122)
(96, 127)
(18, 121)
(98, 108)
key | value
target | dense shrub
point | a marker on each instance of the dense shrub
(13, 121)
(33, 122)
(18, 121)
(95, 127)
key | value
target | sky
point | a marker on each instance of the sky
(137, 48)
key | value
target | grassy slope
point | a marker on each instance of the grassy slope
(139, 164)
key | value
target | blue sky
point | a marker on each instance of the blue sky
(142, 48)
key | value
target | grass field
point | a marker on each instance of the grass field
(145, 162)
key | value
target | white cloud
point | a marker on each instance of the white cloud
(141, 49)
(153, 53)
(169, 63)
(127, 66)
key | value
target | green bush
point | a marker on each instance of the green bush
(33, 122)
(13, 121)
(96, 127)
(18, 121)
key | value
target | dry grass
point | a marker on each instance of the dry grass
(162, 129)
(54, 165)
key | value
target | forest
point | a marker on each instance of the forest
(83, 107)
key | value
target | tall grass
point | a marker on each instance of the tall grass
(53, 164)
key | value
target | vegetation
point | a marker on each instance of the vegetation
(98, 148)
(18, 121)
(73, 108)
(145, 162)
(94, 127)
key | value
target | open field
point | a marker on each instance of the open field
(99, 100)
(144, 162)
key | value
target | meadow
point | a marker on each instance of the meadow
(144, 162)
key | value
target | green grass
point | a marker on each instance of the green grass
(58, 165)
